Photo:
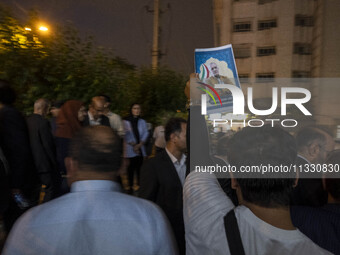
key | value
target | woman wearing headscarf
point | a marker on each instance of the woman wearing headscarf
(71, 114)
(136, 134)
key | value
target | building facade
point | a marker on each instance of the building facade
(274, 39)
(280, 38)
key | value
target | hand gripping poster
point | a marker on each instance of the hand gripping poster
(216, 66)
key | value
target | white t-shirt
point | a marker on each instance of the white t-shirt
(205, 205)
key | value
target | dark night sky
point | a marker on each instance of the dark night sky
(126, 26)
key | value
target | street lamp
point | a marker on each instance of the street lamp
(43, 28)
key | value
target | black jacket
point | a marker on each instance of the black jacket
(104, 121)
(14, 142)
(160, 184)
(44, 155)
(42, 144)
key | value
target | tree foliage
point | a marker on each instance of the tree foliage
(62, 66)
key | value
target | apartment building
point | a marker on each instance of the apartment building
(275, 39)
(280, 38)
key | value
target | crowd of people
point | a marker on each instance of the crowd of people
(82, 182)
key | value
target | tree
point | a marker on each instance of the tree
(64, 66)
(161, 92)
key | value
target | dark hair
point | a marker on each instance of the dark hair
(333, 184)
(172, 126)
(7, 94)
(57, 104)
(106, 98)
(98, 148)
(132, 105)
(263, 146)
(308, 135)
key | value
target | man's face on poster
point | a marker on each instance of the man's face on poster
(214, 69)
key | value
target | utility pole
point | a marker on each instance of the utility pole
(155, 49)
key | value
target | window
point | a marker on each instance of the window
(242, 26)
(265, 77)
(301, 74)
(304, 21)
(244, 78)
(302, 48)
(266, 51)
(338, 131)
(242, 51)
(240, 1)
(265, 1)
(266, 24)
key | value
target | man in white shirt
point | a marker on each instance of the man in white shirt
(263, 217)
(95, 217)
(162, 177)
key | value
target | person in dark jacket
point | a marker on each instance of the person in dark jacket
(43, 149)
(322, 224)
(163, 176)
(313, 146)
(4, 196)
(54, 110)
(14, 141)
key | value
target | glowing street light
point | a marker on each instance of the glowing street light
(28, 29)
(42, 28)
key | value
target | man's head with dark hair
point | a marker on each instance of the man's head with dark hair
(314, 144)
(106, 98)
(263, 146)
(174, 125)
(331, 183)
(57, 104)
(107, 103)
(175, 135)
(7, 94)
(96, 150)
(55, 108)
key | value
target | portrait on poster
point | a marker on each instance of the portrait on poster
(217, 66)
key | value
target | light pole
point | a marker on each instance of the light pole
(155, 49)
